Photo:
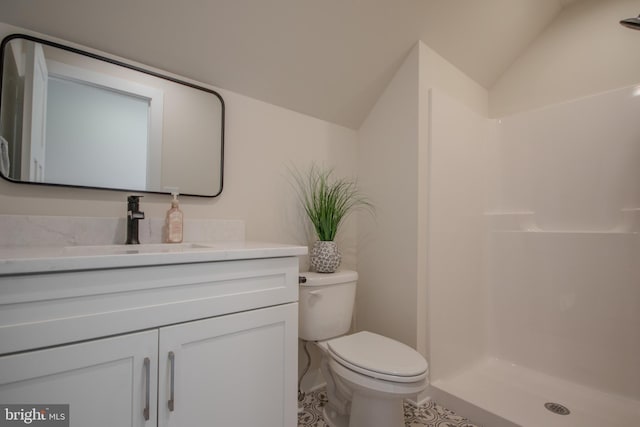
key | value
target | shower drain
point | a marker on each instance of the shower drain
(557, 408)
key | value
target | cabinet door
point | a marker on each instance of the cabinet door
(233, 370)
(105, 381)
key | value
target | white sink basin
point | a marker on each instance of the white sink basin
(151, 248)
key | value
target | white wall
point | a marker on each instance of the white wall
(393, 168)
(262, 142)
(468, 102)
(437, 72)
(388, 162)
(583, 51)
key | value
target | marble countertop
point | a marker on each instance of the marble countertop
(40, 259)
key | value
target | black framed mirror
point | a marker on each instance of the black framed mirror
(69, 117)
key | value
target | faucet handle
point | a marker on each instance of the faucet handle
(135, 214)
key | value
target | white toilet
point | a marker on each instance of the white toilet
(367, 375)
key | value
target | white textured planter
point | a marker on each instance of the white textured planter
(325, 256)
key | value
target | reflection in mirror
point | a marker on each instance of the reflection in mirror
(73, 118)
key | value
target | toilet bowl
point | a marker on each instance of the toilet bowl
(368, 375)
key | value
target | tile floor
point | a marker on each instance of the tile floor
(428, 415)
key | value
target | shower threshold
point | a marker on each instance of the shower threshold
(519, 395)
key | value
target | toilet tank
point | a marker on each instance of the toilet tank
(326, 304)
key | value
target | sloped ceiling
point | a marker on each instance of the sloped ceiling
(329, 59)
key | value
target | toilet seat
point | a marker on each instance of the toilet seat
(378, 357)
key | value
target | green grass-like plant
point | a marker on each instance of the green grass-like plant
(328, 201)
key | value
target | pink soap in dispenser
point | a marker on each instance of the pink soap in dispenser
(174, 221)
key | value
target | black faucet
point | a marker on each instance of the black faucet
(133, 216)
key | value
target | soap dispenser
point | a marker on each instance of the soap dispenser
(174, 221)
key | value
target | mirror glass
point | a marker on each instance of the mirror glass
(74, 118)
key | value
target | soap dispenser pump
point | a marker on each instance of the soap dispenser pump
(174, 221)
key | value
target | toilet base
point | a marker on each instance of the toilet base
(367, 411)
(333, 419)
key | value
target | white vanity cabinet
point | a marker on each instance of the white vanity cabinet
(230, 370)
(104, 381)
(188, 344)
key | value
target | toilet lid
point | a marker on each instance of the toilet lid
(377, 356)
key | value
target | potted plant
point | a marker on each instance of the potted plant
(327, 202)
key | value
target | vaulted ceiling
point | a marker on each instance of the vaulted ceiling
(330, 59)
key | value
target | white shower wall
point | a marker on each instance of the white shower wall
(575, 164)
(455, 259)
(566, 304)
(564, 248)
(534, 261)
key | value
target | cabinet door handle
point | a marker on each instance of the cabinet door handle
(172, 361)
(147, 371)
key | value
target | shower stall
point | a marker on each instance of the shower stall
(534, 262)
